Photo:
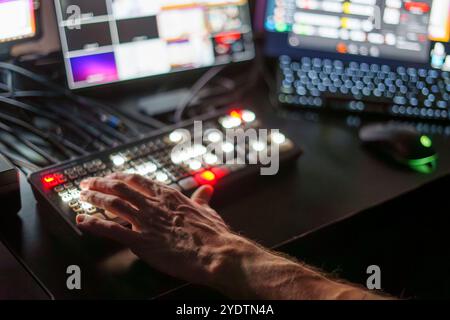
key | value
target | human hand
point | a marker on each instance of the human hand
(181, 236)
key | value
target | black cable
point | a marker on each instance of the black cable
(79, 99)
(39, 112)
(29, 144)
(194, 91)
(20, 123)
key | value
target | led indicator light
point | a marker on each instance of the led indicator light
(426, 141)
(206, 177)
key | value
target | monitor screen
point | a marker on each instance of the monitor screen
(17, 20)
(106, 41)
(400, 30)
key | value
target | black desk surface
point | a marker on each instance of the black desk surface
(334, 179)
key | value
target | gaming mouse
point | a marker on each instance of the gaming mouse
(402, 144)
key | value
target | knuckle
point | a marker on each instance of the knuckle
(115, 202)
(135, 178)
(117, 186)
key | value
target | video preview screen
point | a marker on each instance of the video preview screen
(415, 31)
(17, 20)
(106, 41)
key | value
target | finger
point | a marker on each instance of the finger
(115, 188)
(203, 195)
(107, 229)
(142, 184)
(111, 203)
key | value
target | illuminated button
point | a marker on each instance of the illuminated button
(214, 136)
(205, 177)
(235, 114)
(278, 138)
(73, 204)
(198, 150)
(230, 122)
(161, 177)
(86, 205)
(146, 168)
(118, 160)
(66, 198)
(194, 164)
(75, 194)
(248, 116)
(91, 210)
(210, 158)
(130, 171)
(259, 146)
(178, 157)
(227, 147)
(176, 136)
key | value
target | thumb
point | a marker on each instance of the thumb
(203, 195)
(106, 229)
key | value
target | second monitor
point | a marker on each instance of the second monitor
(106, 41)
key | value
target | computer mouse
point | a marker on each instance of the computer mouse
(402, 144)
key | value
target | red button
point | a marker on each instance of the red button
(206, 177)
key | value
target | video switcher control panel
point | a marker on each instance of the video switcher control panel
(156, 156)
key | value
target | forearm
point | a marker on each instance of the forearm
(250, 272)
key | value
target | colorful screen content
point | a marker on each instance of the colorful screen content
(17, 20)
(107, 41)
(391, 29)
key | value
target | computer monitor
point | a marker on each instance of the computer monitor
(108, 41)
(18, 22)
(397, 31)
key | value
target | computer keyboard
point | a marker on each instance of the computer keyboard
(317, 83)
(155, 157)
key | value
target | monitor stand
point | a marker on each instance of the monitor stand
(168, 101)
(164, 102)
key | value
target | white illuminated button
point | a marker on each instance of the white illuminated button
(161, 177)
(75, 194)
(210, 158)
(278, 138)
(198, 150)
(259, 146)
(176, 136)
(86, 205)
(231, 122)
(67, 198)
(214, 136)
(195, 164)
(248, 116)
(118, 160)
(130, 171)
(227, 147)
(146, 168)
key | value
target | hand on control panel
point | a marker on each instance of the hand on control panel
(185, 238)
(178, 235)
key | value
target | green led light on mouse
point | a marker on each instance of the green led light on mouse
(426, 141)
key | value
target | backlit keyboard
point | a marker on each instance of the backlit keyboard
(156, 158)
(316, 83)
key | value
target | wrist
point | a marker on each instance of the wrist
(233, 265)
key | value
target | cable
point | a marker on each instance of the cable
(39, 112)
(79, 99)
(29, 144)
(59, 145)
(195, 89)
